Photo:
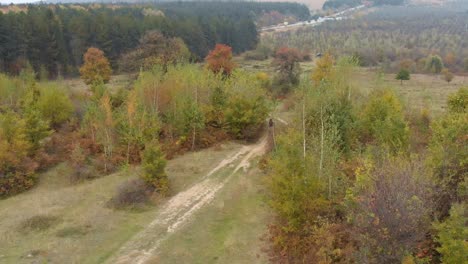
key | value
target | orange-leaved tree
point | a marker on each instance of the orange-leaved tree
(96, 67)
(219, 60)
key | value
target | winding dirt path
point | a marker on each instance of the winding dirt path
(181, 208)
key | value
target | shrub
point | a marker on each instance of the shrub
(448, 76)
(458, 102)
(255, 55)
(72, 231)
(38, 223)
(452, 235)
(390, 205)
(383, 123)
(131, 193)
(54, 105)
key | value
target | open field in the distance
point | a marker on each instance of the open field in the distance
(422, 91)
(312, 4)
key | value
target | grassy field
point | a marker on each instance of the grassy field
(422, 91)
(61, 223)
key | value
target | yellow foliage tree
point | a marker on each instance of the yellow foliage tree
(323, 69)
(96, 67)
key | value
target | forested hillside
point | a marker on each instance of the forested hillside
(391, 37)
(53, 38)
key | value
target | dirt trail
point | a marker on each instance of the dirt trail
(182, 207)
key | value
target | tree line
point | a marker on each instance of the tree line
(53, 38)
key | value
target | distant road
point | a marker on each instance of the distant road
(337, 16)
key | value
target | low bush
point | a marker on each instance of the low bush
(72, 231)
(130, 194)
(38, 223)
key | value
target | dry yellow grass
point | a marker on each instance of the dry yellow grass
(84, 229)
(422, 91)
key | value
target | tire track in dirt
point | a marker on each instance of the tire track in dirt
(181, 208)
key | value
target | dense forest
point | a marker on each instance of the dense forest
(53, 38)
(389, 37)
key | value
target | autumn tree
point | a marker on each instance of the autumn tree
(450, 59)
(219, 60)
(448, 76)
(155, 48)
(323, 70)
(136, 126)
(449, 153)
(403, 75)
(154, 165)
(16, 167)
(96, 67)
(106, 129)
(286, 63)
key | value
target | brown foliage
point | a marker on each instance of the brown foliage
(329, 243)
(393, 215)
(448, 76)
(96, 67)
(131, 193)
